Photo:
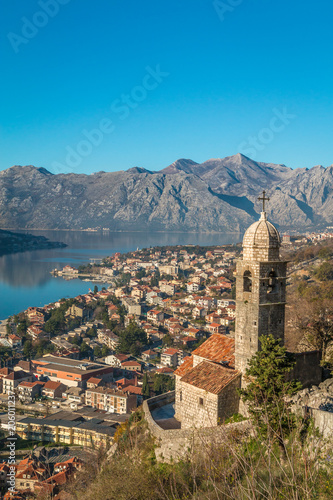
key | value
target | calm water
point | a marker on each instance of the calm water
(25, 278)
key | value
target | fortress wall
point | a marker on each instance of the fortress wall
(176, 444)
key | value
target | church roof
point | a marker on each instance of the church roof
(210, 377)
(218, 348)
(261, 235)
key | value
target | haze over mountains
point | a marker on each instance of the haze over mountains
(217, 195)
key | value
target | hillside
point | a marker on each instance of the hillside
(217, 195)
(14, 242)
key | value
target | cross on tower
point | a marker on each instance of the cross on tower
(263, 199)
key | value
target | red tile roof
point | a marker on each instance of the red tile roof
(52, 385)
(170, 351)
(217, 348)
(164, 369)
(210, 377)
(133, 390)
(186, 365)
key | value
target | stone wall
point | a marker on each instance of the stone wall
(307, 369)
(178, 444)
(323, 420)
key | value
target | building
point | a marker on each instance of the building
(53, 389)
(260, 290)
(91, 433)
(11, 381)
(155, 316)
(207, 381)
(132, 307)
(110, 400)
(169, 357)
(28, 391)
(70, 372)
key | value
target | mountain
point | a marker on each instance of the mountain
(217, 195)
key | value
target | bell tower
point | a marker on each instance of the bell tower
(260, 289)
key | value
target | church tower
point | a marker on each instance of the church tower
(260, 289)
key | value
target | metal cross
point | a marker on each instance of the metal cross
(263, 199)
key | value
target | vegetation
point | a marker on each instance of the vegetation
(267, 389)
(240, 467)
(132, 339)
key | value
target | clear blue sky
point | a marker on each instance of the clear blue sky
(226, 74)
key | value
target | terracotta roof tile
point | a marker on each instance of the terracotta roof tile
(217, 348)
(210, 377)
(186, 365)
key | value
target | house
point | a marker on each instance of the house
(192, 286)
(35, 331)
(94, 382)
(110, 400)
(132, 307)
(77, 311)
(166, 287)
(149, 354)
(14, 340)
(53, 389)
(116, 359)
(11, 381)
(169, 357)
(215, 328)
(28, 391)
(131, 366)
(155, 316)
(74, 394)
(199, 312)
(108, 338)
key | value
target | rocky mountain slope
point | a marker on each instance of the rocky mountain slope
(217, 195)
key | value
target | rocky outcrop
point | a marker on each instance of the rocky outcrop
(217, 195)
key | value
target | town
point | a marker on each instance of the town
(79, 367)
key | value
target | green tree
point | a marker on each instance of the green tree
(133, 337)
(85, 350)
(325, 272)
(95, 289)
(97, 352)
(28, 349)
(105, 351)
(145, 386)
(163, 383)
(265, 394)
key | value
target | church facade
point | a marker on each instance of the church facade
(207, 381)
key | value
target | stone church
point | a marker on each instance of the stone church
(207, 381)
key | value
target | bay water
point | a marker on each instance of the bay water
(25, 278)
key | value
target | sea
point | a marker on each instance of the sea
(26, 279)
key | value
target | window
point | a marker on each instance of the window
(180, 396)
(247, 281)
(201, 401)
(271, 282)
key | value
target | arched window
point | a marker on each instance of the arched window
(271, 282)
(247, 281)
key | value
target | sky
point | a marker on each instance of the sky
(112, 84)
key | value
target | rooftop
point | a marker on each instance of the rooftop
(218, 348)
(210, 377)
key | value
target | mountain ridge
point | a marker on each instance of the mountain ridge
(217, 195)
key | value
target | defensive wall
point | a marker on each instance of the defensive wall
(176, 444)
